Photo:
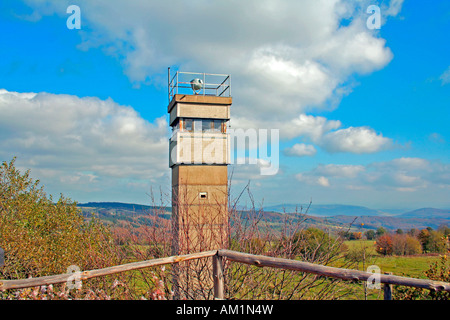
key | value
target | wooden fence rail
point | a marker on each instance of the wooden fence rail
(84, 275)
(339, 273)
(257, 260)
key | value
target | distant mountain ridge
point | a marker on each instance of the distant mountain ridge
(427, 213)
(358, 211)
(115, 205)
(326, 210)
(335, 215)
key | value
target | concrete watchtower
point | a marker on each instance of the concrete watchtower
(199, 109)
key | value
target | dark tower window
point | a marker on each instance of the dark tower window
(203, 125)
(217, 125)
(188, 125)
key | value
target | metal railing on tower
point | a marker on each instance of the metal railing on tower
(207, 84)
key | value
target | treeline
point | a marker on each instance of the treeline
(400, 242)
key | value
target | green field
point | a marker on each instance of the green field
(408, 266)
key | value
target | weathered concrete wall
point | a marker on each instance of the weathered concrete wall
(196, 107)
(199, 148)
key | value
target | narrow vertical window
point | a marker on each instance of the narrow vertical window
(217, 125)
(188, 125)
(206, 125)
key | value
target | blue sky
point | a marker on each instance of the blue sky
(363, 114)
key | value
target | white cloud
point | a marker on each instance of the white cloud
(286, 57)
(445, 77)
(323, 133)
(355, 140)
(362, 52)
(308, 126)
(339, 170)
(436, 138)
(300, 150)
(323, 181)
(408, 164)
(321, 175)
(401, 174)
(66, 140)
(311, 126)
(313, 180)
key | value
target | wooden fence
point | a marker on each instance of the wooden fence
(257, 260)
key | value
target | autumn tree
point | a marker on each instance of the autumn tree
(432, 240)
(403, 244)
(384, 245)
(381, 231)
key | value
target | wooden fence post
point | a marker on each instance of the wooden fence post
(218, 277)
(388, 289)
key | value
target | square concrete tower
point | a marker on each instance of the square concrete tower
(199, 109)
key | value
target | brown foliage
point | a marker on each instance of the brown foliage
(384, 245)
(403, 244)
(41, 237)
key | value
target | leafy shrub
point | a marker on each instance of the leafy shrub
(41, 237)
(313, 242)
(412, 246)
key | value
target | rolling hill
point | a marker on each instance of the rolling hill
(331, 216)
(426, 213)
(326, 210)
